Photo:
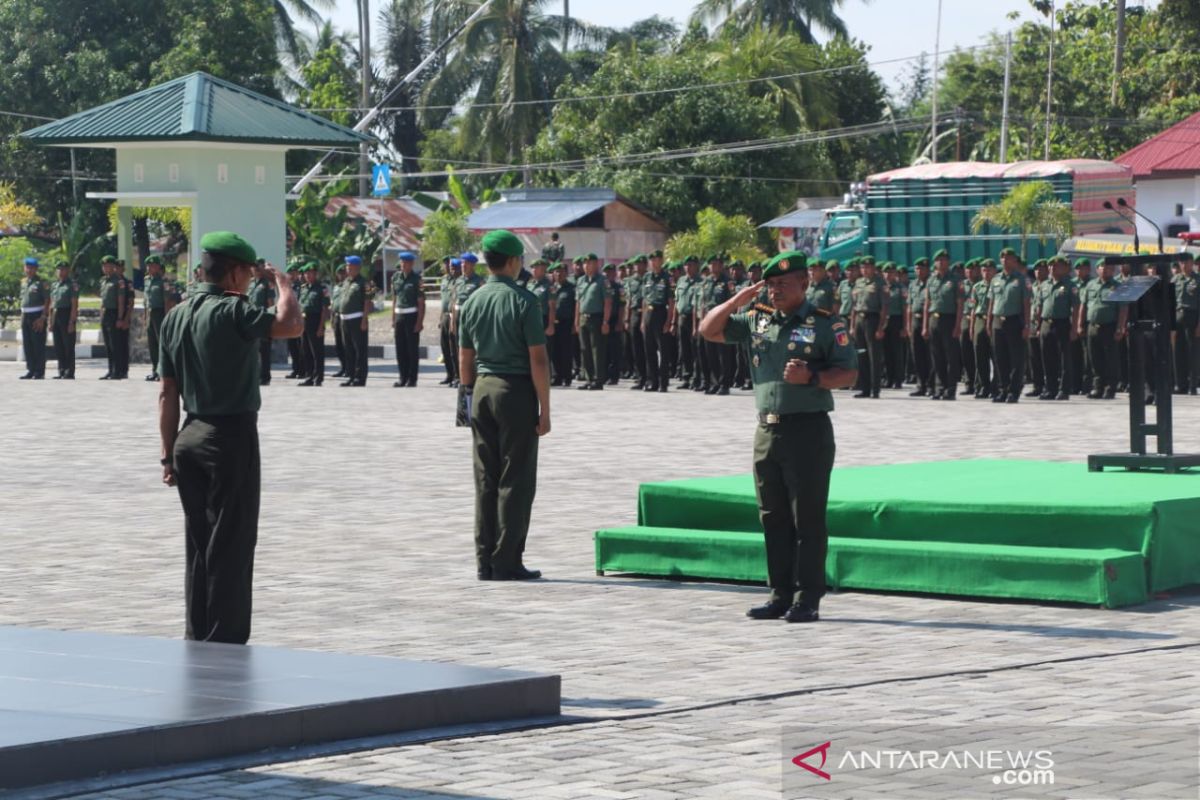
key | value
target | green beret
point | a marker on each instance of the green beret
(941, 254)
(785, 263)
(555, 267)
(504, 243)
(229, 244)
(957, 266)
(541, 262)
(921, 262)
(153, 260)
(867, 260)
(591, 257)
(690, 259)
(1185, 256)
(1082, 262)
(657, 254)
(1041, 262)
(641, 259)
(310, 265)
(108, 260)
(607, 267)
(987, 262)
(60, 264)
(1100, 263)
(889, 267)
(705, 268)
(832, 264)
(1008, 251)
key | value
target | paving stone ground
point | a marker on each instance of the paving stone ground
(365, 547)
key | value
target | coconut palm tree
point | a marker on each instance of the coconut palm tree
(287, 14)
(405, 25)
(1029, 209)
(802, 17)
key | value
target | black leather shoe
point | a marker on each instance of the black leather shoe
(518, 574)
(57, 378)
(983, 396)
(583, 387)
(1110, 395)
(1012, 398)
(1000, 398)
(948, 396)
(918, 393)
(863, 394)
(1034, 393)
(935, 396)
(637, 387)
(801, 613)
(699, 387)
(1095, 395)
(105, 377)
(293, 375)
(484, 573)
(970, 390)
(445, 382)
(308, 382)
(26, 377)
(347, 383)
(1047, 396)
(1062, 396)
(662, 388)
(685, 385)
(722, 391)
(772, 610)
(597, 387)
(398, 384)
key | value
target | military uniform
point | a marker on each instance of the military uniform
(563, 350)
(685, 323)
(722, 358)
(262, 297)
(352, 307)
(501, 322)
(296, 345)
(893, 339)
(1037, 366)
(339, 346)
(124, 334)
(966, 348)
(870, 301)
(658, 299)
(1101, 319)
(63, 295)
(447, 338)
(945, 297)
(112, 299)
(35, 297)
(1009, 295)
(591, 292)
(794, 443)
(407, 294)
(615, 335)
(209, 348)
(1187, 319)
(633, 327)
(155, 298)
(981, 338)
(315, 302)
(922, 364)
(554, 251)
(1056, 312)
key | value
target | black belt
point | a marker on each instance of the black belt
(780, 419)
(593, 313)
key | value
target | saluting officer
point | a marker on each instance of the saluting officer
(943, 325)
(408, 319)
(209, 360)
(35, 312)
(64, 312)
(502, 358)
(314, 305)
(1008, 319)
(354, 310)
(799, 356)
(262, 296)
(154, 296)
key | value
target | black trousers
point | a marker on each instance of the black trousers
(407, 341)
(123, 350)
(1009, 345)
(722, 364)
(943, 346)
(312, 347)
(870, 352)
(505, 444)
(922, 364)
(562, 352)
(1056, 355)
(792, 463)
(154, 323)
(33, 342)
(702, 375)
(264, 360)
(687, 350)
(218, 474)
(658, 349)
(616, 351)
(1102, 346)
(1187, 353)
(893, 349)
(966, 349)
(985, 381)
(637, 346)
(64, 343)
(593, 344)
(108, 328)
(1081, 366)
(1037, 367)
(449, 349)
(339, 347)
(296, 353)
(355, 340)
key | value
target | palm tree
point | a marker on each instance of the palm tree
(1029, 209)
(504, 63)
(286, 13)
(405, 26)
(802, 17)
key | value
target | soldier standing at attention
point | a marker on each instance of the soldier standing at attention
(981, 335)
(314, 306)
(35, 312)
(1187, 320)
(593, 308)
(209, 360)
(634, 307)
(554, 251)
(1038, 290)
(354, 311)
(843, 304)
(125, 324)
(408, 319)
(1008, 319)
(1081, 363)
(820, 294)
(452, 269)
(339, 346)
(616, 325)
(658, 307)
(112, 307)
(1105, 327)
(296, 346)
(943, 325)
(684, 320)
(893, 339)
(502, 358)
(1059, 304)
(722, 356)
(966, 346)
(262, 296)
(155, 298)
(541, 288)
(799, 356)
(464, 287)
(64, 312)
(870, 301)
(564, 319)
(915, 324)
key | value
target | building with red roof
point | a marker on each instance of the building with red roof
(1166, 175)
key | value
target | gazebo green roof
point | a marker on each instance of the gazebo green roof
(196, 108)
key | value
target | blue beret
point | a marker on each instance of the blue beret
(456, 262)
(408, 256)
(31, 262)
(469, 257)
(354, 260)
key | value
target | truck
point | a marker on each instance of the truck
(907, 213)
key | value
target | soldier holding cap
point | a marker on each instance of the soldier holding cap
(503, 361)
(408, 318)
(798, 357)
(314, 305)
(35, 311)
(209, 360)
(64, 312)
(355, 311)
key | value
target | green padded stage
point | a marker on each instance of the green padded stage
(1034, 530)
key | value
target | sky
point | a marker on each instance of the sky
(894, 29)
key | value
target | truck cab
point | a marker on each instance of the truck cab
(844, 234)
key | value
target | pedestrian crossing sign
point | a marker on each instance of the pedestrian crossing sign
(381, 180)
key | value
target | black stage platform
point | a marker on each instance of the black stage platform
(75, 706)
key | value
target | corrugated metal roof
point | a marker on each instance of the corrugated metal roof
(1175, 150)
(196, 107)
(535, 214)
(987, 169)
(406, 217)
(799, 218)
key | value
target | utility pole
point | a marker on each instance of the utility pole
(937, 43)
(566, 25)
(1119, 56)
(1049, 81)
(364, 47)
(1004, 107)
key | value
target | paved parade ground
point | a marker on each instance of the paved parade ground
(668, 691)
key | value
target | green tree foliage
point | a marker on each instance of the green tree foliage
(285, 14)
(802, 17)
(329, 82)
(715, 233)
(406, 44)
(1029, 209)
(328, 238)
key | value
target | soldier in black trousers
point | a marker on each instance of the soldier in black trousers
(262, 295)
(658, 306)
(354, 309)
(1060, 303)
(314, 305)
(64, 311)
(209, 361)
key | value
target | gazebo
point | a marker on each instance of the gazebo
(205, 144)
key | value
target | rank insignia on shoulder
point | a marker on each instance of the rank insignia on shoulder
(764, 308)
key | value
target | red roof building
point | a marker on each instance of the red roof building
(1166, 174)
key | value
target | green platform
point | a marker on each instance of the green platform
(1018, 529)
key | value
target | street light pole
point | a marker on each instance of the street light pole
(364, 47)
